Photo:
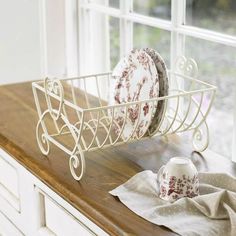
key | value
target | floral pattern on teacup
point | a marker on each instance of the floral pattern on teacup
(174, 188)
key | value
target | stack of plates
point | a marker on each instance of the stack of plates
(140, 76)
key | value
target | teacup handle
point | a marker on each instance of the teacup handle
(160, 172)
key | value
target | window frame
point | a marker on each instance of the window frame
(176, 26)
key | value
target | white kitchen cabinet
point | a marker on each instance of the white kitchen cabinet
(7, 228)
(29, 207)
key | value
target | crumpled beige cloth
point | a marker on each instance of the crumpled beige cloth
(210, 214)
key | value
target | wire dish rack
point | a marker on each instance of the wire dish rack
(75, 114)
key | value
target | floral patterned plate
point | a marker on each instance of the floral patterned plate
(164, 87)
(136, 79)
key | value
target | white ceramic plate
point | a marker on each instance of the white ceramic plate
(136, 79)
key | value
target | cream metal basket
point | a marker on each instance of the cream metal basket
(77, 118)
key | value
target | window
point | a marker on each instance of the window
(203, 30)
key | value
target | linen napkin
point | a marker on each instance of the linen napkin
(211, 213)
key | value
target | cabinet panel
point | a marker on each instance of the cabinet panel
(61, 222)
(54, 219)
(9, 189)
(7, 228)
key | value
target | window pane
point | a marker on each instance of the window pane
(213, 15)
(146, 36)
(114, 3)
(102, 2)
(111, 3)
(114, 41)
(217, 65)
(154, 8)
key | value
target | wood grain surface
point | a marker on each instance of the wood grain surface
(105, 169)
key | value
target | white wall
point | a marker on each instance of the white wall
(54, 13)
(32, 39)
(19, 41)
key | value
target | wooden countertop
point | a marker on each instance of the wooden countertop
(105, 169)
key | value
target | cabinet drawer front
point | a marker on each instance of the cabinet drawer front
(58, 217)
(7, 228)
(9, 189)
(61, 222)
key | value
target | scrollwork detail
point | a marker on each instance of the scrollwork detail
(54, 86)
(77, 164)
(42, 139)
(201, 138)
(187, 66)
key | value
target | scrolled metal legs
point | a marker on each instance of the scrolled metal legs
(201, 137)
(76, 161)
(77, 164)
(42, 139)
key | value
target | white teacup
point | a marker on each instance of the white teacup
(177, 179)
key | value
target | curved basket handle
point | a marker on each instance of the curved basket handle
(186, 66)
(159, 173)
(54, 86)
